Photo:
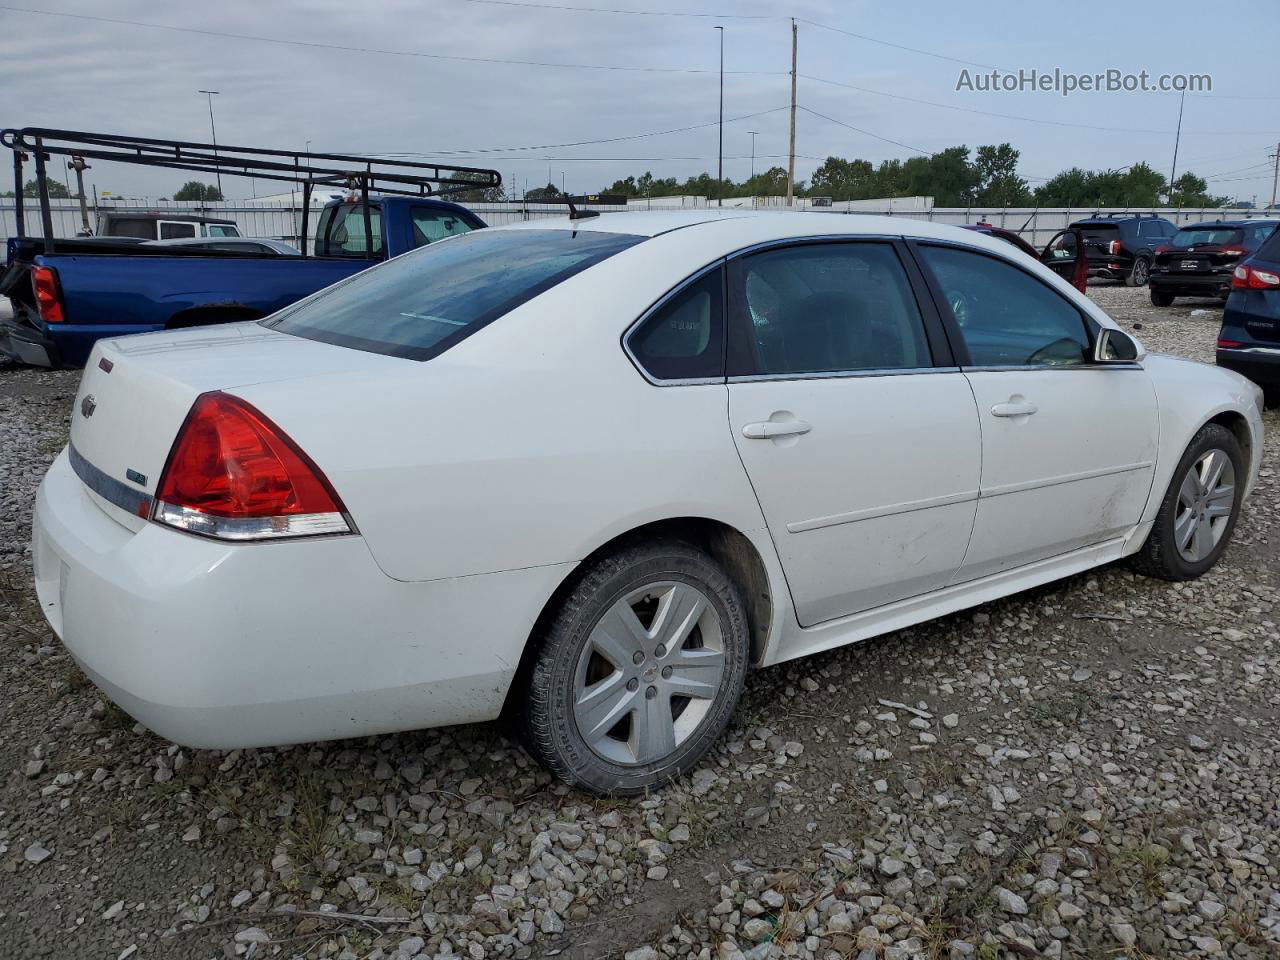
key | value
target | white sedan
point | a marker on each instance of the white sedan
(590, 471)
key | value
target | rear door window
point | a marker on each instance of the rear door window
(419, 305)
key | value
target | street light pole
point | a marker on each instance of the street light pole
(753, 152)
(212, 129)
(720, 167)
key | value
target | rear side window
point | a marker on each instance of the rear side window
(432, 225)
(829, 308)
(222, 230)
(173, 230)
(341, 232)
(683, 339)
(419, 305)
(142, 229)
(1006, 316)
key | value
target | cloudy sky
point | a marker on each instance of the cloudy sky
(377, 77)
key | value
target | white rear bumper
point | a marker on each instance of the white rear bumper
(222, 645)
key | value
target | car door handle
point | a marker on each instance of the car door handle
(1014, 408)
(772, 429)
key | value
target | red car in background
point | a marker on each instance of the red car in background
(1062, 255)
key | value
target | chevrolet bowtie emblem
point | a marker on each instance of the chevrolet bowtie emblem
(87, 406)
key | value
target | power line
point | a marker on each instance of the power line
(577, 143)
(867, 133)
(349, 48)
(731, 16)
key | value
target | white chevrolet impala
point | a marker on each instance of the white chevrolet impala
(590, 471)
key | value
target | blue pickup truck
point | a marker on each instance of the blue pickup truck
(65, 299)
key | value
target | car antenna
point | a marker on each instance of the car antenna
(576, 214)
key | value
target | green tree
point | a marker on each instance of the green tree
(57, 189)
(479, 194)
(549, 192)
(1143, 186)
(999, 185)
(195, 190)
(1192, 191)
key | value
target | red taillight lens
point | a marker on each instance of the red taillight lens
(1163, 248)
(44, 284)
(1113, 247)
(1229, 343)
(1250, 278)
(1233, 252)
(234, 474)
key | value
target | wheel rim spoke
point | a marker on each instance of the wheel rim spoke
(1202, 541)
(1214, 464)
(1184, 529)
(653, 730)
(696, 673)
(620, 635)
(1190, 490)
(678, 613)
(600, 707)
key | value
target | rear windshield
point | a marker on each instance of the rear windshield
(1205, 236)
(419, 305)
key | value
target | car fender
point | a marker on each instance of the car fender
(1189, 395)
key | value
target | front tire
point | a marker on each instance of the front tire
(1161, 298)
(1199, 510)
(1138, 273)
(639, 672)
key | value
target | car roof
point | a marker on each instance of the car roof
(1228, 223)
(763, 224)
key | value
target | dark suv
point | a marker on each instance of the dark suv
(1200, 258)
(1120, 246)
(1249, 341)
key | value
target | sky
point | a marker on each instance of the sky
(376, 78)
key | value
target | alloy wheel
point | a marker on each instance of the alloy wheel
(1205, 499)
(648, 673)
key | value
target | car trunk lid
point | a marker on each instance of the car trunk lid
(137, 391)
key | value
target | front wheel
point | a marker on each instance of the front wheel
(1161, 298)
(1138, 273)
(639, 672)
(1199, 510)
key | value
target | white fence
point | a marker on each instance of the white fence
(281, 220)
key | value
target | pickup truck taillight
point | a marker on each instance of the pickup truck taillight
(44, 284)
(235, 475)
(1250, 278)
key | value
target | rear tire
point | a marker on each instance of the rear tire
(1160, 298)
(1138, 273)
(638, 673)
(1199, 510)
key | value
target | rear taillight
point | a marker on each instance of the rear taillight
(1229, 344)
(1233, 252)
(1163, 248)
(1250, 278)
(1113, 247)
(235, 475)
(44, 284)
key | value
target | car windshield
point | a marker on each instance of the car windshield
(420, 304)
(1204, 236)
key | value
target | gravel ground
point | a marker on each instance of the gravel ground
(1089, 769)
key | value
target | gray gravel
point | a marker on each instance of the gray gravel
(1089, 769)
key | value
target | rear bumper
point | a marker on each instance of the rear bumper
(26, 344)
(1207, 285)
(218, 645)
(1259, 364)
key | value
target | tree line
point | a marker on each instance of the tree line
(954, 177)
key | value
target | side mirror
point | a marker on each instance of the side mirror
(1115, 346)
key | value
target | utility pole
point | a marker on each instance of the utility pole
(1177, 137)
(720, 166)
(1275, 174)
(791, 155)
(753, 152)
(213, 131)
